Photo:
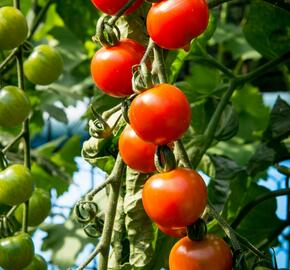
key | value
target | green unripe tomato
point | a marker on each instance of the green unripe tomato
(14, 106)
(38, 263)
(39, 208)
(44, 65)
(16, 185)
(16, 252)
(13, 28)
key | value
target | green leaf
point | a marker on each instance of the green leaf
(279, 124)
(102, 102)
(139, 227)
(267, 29)
(253, 114)
(80, 16)
(45, 177)
(226, 171)
(65, 157)
(55, 112)
(229, 124)
(259, 220)
(65, 241)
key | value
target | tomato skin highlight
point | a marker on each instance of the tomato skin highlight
(14, 106)
(174, 23)
(161, 114)
(16, 251)
(112, 7)
(211, 253)
(13, 28)
(136, 153)
(111, 67)
(176, 198)
(173, 232)
(44, 65)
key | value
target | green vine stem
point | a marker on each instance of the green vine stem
(103, 246)
(13, 142)
(159, 65)
(251, 205)
(26, 135)
(122, 11)
(182, 154)
(225, 226)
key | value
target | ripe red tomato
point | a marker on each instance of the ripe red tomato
(173, 232)
(211, 253)
(174, 23)
(161, 114)
(176, 198)
(112, 7)
(111, 67)
(136, 153)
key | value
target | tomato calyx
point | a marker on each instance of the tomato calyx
(107, 33)
(197, 231)
(125, 107)
(98, 127)
(164, 159)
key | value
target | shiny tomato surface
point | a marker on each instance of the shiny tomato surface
(111, 67)
(174, 23)
(176, 198)
(211, 253)
(136, 153)
(161, 114)
(113, 6)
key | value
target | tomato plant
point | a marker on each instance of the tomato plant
(39, 208)
(112, 7)
(174, 23)
(14, 106)
(210, 253)
(16, 185)
(13, 28)
(38, 263)
(160, 115)
(180, 195)
(16, 251)
(44, 65)
(136, 153)
(111, 67)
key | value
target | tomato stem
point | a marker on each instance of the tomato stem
(114, 179)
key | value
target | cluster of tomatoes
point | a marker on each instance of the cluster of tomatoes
(160, 115)
(43, 66)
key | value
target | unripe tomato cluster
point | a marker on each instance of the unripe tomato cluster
(158, 116)
(43, 66)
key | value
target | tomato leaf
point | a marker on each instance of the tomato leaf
(139, 227)
(267, 29)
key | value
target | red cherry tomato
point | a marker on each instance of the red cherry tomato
(136, 153)
(113, 6)
(161, 114)
(211, 253)
(173, 232)
(111, 67)
(174, 23)
(176, 198)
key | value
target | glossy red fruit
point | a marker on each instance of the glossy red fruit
(173, 232)
(174, 23)
(112, 7)
(211, 253)
(111, 67)
(161, 114)
(176, 198)
(136, 153)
